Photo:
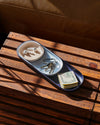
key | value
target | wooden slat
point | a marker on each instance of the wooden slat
(19, 117)
(96, 112)
(6, 120)
(98, 97)
(70, 49)
(91, 84)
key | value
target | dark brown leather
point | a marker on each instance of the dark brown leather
(63, 20)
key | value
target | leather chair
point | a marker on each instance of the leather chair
(72, 22)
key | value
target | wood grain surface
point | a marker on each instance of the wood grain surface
(27, 98)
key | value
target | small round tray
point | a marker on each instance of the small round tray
(48, 64)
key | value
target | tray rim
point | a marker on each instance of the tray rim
(46, 76)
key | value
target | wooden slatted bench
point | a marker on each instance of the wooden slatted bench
(27, 98)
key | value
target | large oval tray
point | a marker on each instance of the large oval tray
(61, 67)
